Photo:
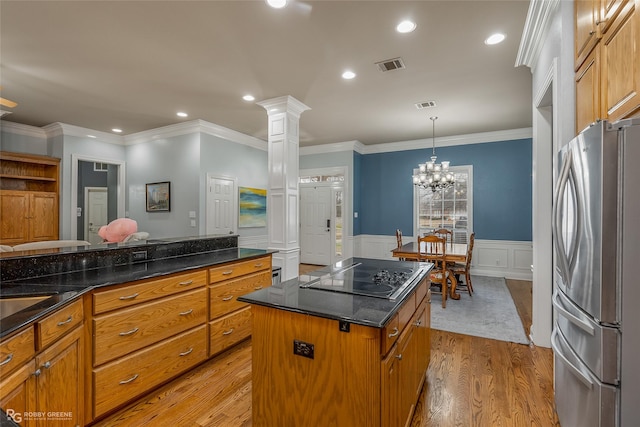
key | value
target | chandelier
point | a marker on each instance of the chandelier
(432, 175)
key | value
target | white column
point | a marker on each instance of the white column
(282, 195)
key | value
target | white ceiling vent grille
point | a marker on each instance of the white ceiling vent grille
(390, 64)
(428, 104)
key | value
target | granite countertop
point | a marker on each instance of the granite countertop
(362, 310)
(66, 287)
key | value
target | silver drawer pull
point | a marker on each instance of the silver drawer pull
(229, 332)
(133, 331)
(37, 373)
(418, 322)
(187, 283)
(133, 378)
(187, 352)
(394, 333)
(184, 313)
(399, 357)
(7, 359)
(64, 322)
(258, 265)
(226, 273)
(129, 297)
(257, 288)
(229, 298)
(47, 364)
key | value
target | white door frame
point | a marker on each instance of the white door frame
(209, 200)
(120, 199)
(86, 207)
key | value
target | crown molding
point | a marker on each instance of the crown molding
(336, 147)
(65, 129)
(20, 129)
(535, 31)
(195, 126)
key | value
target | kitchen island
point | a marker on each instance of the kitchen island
(347, 345)
(107, 325)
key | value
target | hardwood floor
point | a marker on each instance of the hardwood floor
(470, 382)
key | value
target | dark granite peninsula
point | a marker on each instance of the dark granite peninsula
(108, 323)
(345, 345)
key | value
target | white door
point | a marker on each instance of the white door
(221, 205)
(315, 225)
(95, 209)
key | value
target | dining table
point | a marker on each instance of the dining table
(454, 252)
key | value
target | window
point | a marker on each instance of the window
(451, 208)
(100, 167)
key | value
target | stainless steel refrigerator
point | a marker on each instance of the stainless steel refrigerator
(596, 297)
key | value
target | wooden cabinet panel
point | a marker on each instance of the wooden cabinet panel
(390, 334)
(223, 296)
(588, 91)
(609, 10)
(128, 377)
(123, 331)
(229, 330)
(586, 31)
(17, 392)
(236, 269)
(16, 350)
(14, 205)
(620, 59)
(390, 383)
(43, 216)
(138, 292)
(62, 321)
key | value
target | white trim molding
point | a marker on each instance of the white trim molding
(535, 31)
(497, 258)
(20, 129)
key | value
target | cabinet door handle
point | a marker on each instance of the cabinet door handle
(185, 313)
(64, 322)
(133, 378)
(47, 364)
(7, 359)
(418, 322)
(394, 333)
(133, 331)
(186, 352)
(258, 265)
(229, 332)
(229, 298)
(187, 283)
(226, 273)
(129, 297)
(399, 357)
(37, 373)
(257, 288)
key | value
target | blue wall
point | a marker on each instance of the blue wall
(501, 189)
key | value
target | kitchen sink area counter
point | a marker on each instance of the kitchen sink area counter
(357, 333)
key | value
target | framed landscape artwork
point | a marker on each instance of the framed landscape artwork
(158, 197)
(253, 207)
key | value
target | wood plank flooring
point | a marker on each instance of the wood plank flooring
(470, 382)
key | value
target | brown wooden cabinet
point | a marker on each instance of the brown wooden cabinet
(29, 191)
(607, 52)
(48, 388)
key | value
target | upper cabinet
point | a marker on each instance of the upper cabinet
(607, 54)
(29, 193)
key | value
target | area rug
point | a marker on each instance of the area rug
(489, 313)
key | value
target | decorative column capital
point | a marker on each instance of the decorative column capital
(284, 104)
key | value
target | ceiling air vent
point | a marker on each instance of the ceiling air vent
(428, 104)
(390, 64)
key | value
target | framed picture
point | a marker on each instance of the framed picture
(253, 207)
(158, 197)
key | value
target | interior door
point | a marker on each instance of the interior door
(221, 205)
(96, 212)
(315, 225)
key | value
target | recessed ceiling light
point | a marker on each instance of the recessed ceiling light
(277, 4)
(348, 75)
(494, 39)
(249, 97)
(406, 26)
(182, 114)
(116, 130)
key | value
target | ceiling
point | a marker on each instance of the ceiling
(134, 64)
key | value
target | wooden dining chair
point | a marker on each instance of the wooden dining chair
(399, 241)
(432, 248)
(446, 234)
(465, 269)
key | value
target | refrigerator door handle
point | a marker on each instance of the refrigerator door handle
(585, 326)
(558, 352)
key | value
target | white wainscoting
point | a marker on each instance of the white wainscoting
(253, 242)
(497, 258)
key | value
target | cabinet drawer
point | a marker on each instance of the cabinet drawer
(229, 330)
(229, 271)
(394, 328)
(147, 290)
(59, 323)
(130, 329)
(125, 378)
(223, 296)
(421, 291)
(16, 350)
